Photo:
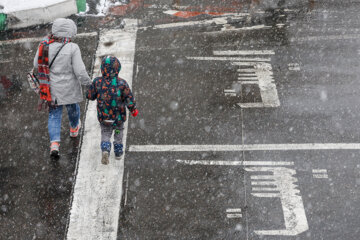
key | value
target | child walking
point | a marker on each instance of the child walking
(113, 95)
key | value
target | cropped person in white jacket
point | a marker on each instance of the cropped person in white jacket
(67, 74)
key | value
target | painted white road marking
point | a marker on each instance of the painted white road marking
(234, 163)
(173, 12)
(248, 82)
(320, 173)
(230, 92)
(231, 210)
(326, 38)
(230, 59)
(252, 70)
(263, 183)
(233, 213)
(218, 21)
(38, 39)
(245, 52)
(242, 76)
(222, 21)
(280, 183)
(294, 67)
(230, 28)
(246, 70)
(95, 207)
(245, 147)
(268, 91)
(284, 184)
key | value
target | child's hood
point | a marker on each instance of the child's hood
(110, 67)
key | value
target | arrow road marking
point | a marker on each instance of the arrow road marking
(283, 186)
(274, 181)
(251, 70)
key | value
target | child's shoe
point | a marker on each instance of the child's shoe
(118, 150)
(54, 149)
(74, 132)
(105, 158)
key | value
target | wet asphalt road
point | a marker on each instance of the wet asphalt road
(315, 67)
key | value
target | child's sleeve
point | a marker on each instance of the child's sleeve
(92, 91)
(129, 98)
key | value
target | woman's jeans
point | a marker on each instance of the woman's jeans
(55, 116)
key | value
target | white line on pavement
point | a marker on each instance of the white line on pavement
(234, 163)
(229, 28)
(230, 59)
(245, 52)
(261, 183)
(172, 12)
(252, 105)
(38, 39)
(265, 189)
(218, 20)
(326, 38)
(246, 147)
(320, 173)
(253, 75)
(294, 67)
(231, 210)
(234, 215)
(320, 176)
(246, 70)
(95, 207)
(261, 177)
(230, 92)
(247, 81)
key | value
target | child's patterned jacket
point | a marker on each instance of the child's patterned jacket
(112, 93)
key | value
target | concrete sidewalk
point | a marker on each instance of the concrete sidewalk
(23, 13)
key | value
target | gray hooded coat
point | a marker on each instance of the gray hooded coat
(68, 71)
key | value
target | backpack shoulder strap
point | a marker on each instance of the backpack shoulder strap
(56, 55)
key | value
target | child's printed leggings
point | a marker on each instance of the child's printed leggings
(107, 131)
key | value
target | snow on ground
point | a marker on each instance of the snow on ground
(20, 5)
(102, 7)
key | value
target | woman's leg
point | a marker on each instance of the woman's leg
(73, 114)
(54, 123)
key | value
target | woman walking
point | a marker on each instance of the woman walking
(61, 73)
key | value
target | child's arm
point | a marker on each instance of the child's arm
(92, 91)
(130, 100)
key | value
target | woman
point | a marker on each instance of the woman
(61, 80)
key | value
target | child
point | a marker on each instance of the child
(112, 94)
